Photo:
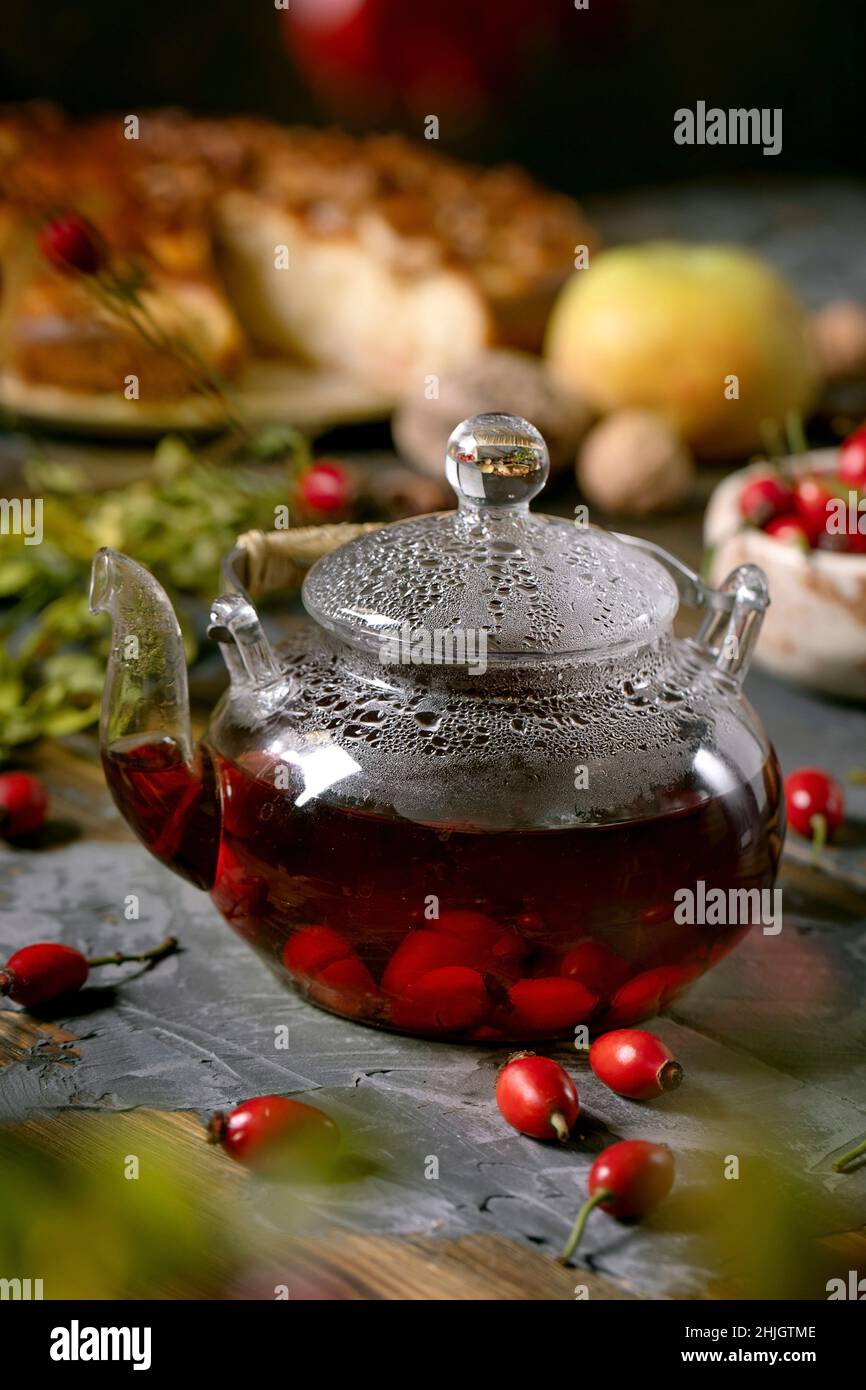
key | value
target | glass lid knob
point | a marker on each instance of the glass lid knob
(496, 461)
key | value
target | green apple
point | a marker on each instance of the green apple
(709, 336)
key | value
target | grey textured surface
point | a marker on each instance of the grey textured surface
(774, 1038)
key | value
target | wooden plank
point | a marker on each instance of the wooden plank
(23, 1037)
(343, 1265)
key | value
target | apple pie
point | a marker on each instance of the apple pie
(375, 258)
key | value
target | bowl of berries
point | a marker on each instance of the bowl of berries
(803, 520)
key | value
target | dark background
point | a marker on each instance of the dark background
(594, 113)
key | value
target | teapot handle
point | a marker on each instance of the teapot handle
(734, 611)
(247, 652)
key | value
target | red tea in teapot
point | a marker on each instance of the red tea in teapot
(445, 932)
(565, 833)
(171, 806)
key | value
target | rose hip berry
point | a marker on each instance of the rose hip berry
(852, 459)
(41, 972)
(311, 949)
(23, 804)
(627, 1180)
(273, 1133)
(815, 803)
(48, 969)
(648, 993)
(812, 497)
(789, 530)
(509, 954)
(450, 999)
(597, 967)
(324, 487)
(422, 951)
(853, 543)
(72, 244)
(475, 927)
(321, 954)
(634, 1064)
(537, 1096)
(548, 1005)
(764, 498)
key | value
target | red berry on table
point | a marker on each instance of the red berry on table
(789, 530)
(766, 497)
(43, 971)
(852, 459)
(324, 487)
(632, 1177)
(815, 803)
(627, 1180)
(49, 969)
(72, 244)
(547, 1005)
(23, 804)
(812, 496)
(537, 1097)
(634, 1064)
(271, 1132)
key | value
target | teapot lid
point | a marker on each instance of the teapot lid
(537, 586)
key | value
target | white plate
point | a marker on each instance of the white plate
(266, 392)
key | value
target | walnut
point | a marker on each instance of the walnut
(838, 333)
(502, 380)
(633, 462)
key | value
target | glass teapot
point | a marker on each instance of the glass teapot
(487, 794)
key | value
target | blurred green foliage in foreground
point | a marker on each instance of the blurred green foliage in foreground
(139, 1205)
(178, 522)
(78, 1223)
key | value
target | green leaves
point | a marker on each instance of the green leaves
(178, 522)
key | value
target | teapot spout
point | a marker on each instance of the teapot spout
(163, 786)
(145, 687)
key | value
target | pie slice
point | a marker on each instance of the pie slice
(373, 258)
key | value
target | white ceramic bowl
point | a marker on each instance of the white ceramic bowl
(814, 632)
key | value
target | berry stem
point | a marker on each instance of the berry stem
(216, 1127)
(165, 948)
(603, 1194)
(795, 433)
(670, 1075)
(126, 303)
(558, 1122)
(818, 826)
(6, 982)
(840, 1164)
